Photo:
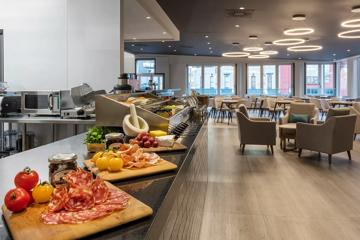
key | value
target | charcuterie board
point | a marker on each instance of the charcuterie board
(161, 166)
(27, 224)
(176, 147)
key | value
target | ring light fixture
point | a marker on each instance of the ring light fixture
(354, 23)
(347, 34)
(298, 31)
(235, 54)
(289, 41)
(304, 48)
(259, 56)
(269, 52)
(253, 49)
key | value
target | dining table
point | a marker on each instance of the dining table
(230, 105)
(335, 103)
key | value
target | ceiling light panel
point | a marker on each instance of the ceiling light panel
(289, 41)
(299, 17)
(298, 31)
(304, 48)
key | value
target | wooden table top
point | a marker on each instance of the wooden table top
(288, 126)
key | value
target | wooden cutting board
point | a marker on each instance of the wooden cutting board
(162, 166)
(176, 147)
(27, 224)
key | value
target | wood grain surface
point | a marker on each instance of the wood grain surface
(27, 224)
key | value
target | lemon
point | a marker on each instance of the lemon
(102, 163)
(97, 156)
(115, 164)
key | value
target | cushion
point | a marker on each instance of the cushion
(295, 118)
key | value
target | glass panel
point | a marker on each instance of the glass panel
(210, 80)
(312, 83)
(145, 66)
(343, 79)
(269, 80)
(159, 80)
(253, 80)
(328, 79)
(285, 80)
(194, 78)
(227, 80)
(144, 82)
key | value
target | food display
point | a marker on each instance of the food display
(83, 199)
(157, 141)
(157, 133)
(42, 192)
(166, 141)
(26, 179)
(145, 140)
(111, 138)
(59, 165)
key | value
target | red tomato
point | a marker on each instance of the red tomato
(17, 199)
(26, 179)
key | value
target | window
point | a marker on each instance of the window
(227, 80)
(195, 78)
(343, 80)
(211, 79)
(319, 79)
(271, 80)
(158, 79)
(143, 66)
(254, 81)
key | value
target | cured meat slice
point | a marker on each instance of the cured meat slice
(58, 199)
(79, 199)
(100, 191)
(50, 218)
(68, 217)
(79, 178)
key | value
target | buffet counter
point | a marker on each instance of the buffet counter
(165, 193)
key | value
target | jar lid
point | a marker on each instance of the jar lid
(114, 135)
(63, 157)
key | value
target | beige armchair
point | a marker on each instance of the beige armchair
(355, 109)
(301, 108)
(255, 131)
(334, 136)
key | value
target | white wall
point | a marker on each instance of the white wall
(176, 66)
(57, 44)
(129, 62)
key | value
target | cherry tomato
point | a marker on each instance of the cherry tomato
(26, 179)
(42, 192)
(17, 199)
(147, 144)
(155, 144)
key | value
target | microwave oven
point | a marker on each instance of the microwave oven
(45, 102)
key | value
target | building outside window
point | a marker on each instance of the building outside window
(211, 79)
(254, 80)
(320, 79)
(343, 79)
(143, 66)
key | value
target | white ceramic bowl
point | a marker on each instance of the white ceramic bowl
(131, 130)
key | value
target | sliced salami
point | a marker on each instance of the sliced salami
(79, 199)
(50, 218)
(100, 191)
(79, 178)
(58, 199)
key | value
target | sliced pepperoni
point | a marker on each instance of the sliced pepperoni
(79, 199)
(100, 191)
(58, 199)
(79, 178)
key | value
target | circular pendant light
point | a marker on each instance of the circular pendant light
(259, 56)
(269, 52)
(289, 41)
(347, 34)
(304, 48)
(351, 23)
(253, 49)
(298, 31)
(235, 54)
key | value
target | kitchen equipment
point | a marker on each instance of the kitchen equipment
(123, 85)
(10, 105)
(162, 166)
(27, 223)
(45, 102)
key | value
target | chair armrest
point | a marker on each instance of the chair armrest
(261, 119)
(315, 137)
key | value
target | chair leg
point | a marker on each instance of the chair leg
(243, 149)
(319, 155)
(329, 157)
(300, 151)
(349, 155)
(355, 136)
(272, 149)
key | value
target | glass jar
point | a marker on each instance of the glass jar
(59, 165)
(111, 138)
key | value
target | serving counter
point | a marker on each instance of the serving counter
(173, 196)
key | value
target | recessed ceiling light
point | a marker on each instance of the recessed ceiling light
(253, 37)
(169, 46)
(288, 54)
(298, 31)
(210, 48)
(164, 33)
(163, 41)
(260, 56)
(288, 41)
(299, 17)
(174, 50)
(253, 49)
(348, 50)
(235, 54)
(133, 45)
(268, 43)
(347, 34)
(209, 43)
(269, 52)
(206, 36)
(134, 38)
(334, 54)
(299, 58)
(237, 25)
(235, 44)
(141, 49)
(351, 23)
(356, 9)
(148, 17)
(304, 48)
(241, 8)
(195, 54)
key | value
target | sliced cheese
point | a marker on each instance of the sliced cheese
(165, 141)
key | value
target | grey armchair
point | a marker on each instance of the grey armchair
(334, 136)
(255, 131)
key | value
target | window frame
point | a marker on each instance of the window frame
(142, 59)
(321, 77)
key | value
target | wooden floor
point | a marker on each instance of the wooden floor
(260, 196)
